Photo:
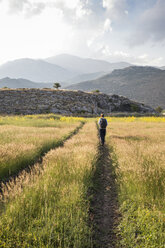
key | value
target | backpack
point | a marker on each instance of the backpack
(103, 123)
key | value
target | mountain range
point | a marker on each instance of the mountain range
(139, 83)
(22, 83)
(85, 65)
(143, 84)
(63, 68)
(34, 70)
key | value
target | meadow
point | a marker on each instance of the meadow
(48, 205)
(23, 140)
(138, 154)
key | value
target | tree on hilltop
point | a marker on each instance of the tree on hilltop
(56, 85)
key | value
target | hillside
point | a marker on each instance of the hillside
(34, 70)
(22, 83)
(85, 77)
(143, 84)
(84, 65)
(37, 101)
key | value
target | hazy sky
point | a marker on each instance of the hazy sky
(115, 30)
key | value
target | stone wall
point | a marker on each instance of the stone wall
(37, 101)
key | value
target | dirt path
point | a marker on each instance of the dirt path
(104, 210)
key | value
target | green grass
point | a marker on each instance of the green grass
(51, 209)
(140, 170)
(49, 120)
(49, 205)
(21, 146)
(141, 226)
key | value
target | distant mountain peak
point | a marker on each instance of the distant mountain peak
(62, 68)
(36, 70)
(136, 69)
(85, 65)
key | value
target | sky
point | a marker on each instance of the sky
(113, 30)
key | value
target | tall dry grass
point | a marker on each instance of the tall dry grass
(20, 146)
(50, 209)
(139, 156)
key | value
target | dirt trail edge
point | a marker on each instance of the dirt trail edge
(38, 159)
(104, 204)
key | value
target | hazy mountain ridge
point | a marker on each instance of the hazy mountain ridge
(84, 77)
(143, 84)
(84, 65)
(34, 70)
(68, 69)
(22, 83)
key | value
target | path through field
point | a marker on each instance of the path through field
(46, 205)
(61, 189)
(104, 204)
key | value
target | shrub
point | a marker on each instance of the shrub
(95, 91)
(159, 109)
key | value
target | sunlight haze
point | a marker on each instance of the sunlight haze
(112, 30)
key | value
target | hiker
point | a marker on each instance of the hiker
(102, 128)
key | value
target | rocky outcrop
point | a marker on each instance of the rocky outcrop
(37, 101)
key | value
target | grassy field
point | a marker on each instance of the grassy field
(48, 207)
(49, 204)
(138, 153)
(23, 140)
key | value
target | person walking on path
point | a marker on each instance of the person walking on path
(102, 128)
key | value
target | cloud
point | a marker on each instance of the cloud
(16, 5)
(116, 9)
(105, 52)
(72, 9)
(96, 17)
(26, 7)
(93, 28)
(151, 25)
(107, 25)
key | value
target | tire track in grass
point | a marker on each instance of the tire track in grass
(104, 204)
(27, 166)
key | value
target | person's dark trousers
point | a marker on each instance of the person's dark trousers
(102, 135)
